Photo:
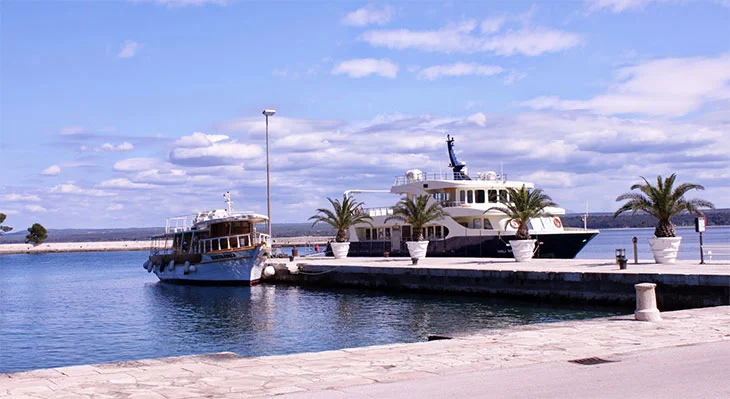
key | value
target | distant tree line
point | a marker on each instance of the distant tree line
(715, 217)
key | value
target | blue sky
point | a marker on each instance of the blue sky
(119, 114)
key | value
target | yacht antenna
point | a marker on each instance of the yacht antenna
(585, 218)
(227, 197)
(501, 170)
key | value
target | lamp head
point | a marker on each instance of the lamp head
(269, 112)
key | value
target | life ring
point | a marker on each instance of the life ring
(514, 224)
(557, 223)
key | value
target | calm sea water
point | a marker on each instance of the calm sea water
(81, 308)
(605, 244)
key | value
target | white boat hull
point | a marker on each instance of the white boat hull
(243, 267)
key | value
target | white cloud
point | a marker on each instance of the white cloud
(53, 170)
(617, 6)
(458, 69)
(35, 208)
(12, 197)
(671, 87)
(124, 183)
(198, 139)
(493, 24)
(513, 77)
(137, 164)
(532, 42)
(128, 50)
(358, 68)
(72, 130)
(108, 147)
(478, 118)
(200, 149)
(369, 15)
(71, 188)
(458, 38)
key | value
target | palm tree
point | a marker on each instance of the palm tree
(522, 206)
(662, 201)
(343, 215)
(416, 212)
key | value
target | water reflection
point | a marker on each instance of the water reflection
(102, 307)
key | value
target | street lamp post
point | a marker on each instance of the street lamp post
(268, 113)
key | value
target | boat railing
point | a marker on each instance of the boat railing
(419, 176)
(179, 224)
(233, 242)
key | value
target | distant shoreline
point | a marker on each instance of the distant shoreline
(90, 246)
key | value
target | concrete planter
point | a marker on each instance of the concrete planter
(523, 250)
(417, 249)
(340, 249)
(665, 249)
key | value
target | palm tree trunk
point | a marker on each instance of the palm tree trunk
(341, 236)
(665, 229)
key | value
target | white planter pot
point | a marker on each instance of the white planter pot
(665, 249)
(523, 250)
(417, 249)
(340, 249)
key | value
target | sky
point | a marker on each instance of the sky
(123, 113)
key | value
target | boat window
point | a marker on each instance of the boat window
(479, 196)
(503, 197)
(530, 225)
(367, 234)
(492, 194)
(381, 233)
(387, 232)
(438, 231)
(477, 223)
(470, 196)
(488, 225)
(446, 231)
(462, 196)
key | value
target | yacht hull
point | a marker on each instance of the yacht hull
(240, 267)
(558, 246)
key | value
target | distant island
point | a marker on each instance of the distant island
(717, 217)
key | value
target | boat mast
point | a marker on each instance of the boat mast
(227, 197)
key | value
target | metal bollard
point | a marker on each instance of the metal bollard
(646, 309)
(621, 258)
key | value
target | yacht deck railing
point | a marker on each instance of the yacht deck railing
(419, 176)
(233, 242)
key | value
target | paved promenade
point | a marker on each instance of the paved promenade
(228, 375)
(688, 267)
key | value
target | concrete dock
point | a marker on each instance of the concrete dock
(387, 370)
(685, 284)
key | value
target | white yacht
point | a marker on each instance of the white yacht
(472, 229)
(211, 247)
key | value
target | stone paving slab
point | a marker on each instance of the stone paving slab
(228, 375)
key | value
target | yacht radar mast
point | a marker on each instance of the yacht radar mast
(455, 165)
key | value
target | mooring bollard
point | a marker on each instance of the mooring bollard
(646, 309)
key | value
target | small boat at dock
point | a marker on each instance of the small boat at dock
(216, 247)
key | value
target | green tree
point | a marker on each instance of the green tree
(342, 216)
(3, 229)
(522, 206)
(36, 234)
(662, 201)
(416, 212)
